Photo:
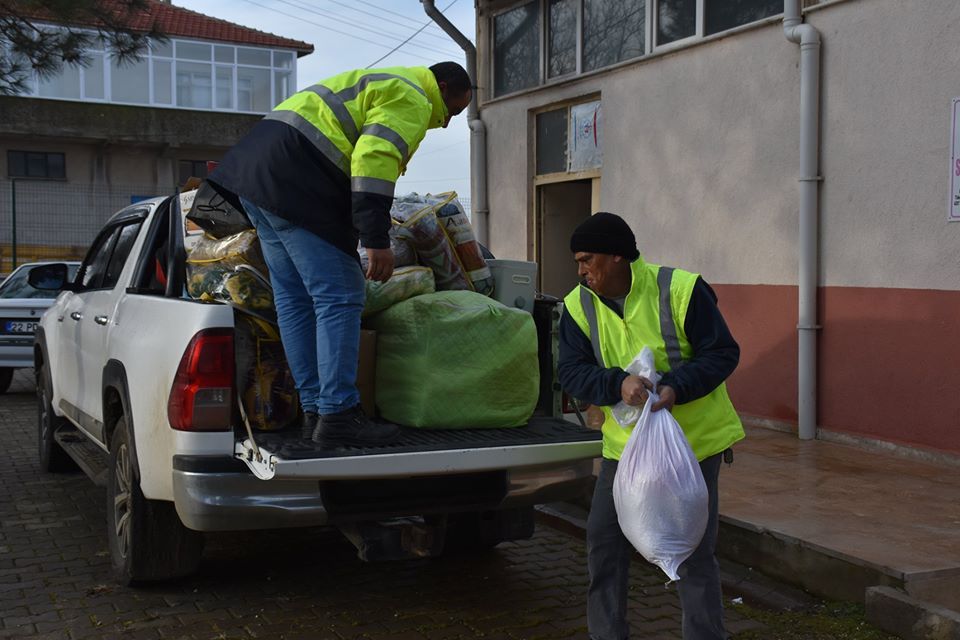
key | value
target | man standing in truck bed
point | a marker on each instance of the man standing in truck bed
(313, 176)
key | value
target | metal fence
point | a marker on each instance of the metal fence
(44, 220)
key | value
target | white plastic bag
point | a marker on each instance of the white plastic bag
(659, 492)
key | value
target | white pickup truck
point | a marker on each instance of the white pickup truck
(135, 384)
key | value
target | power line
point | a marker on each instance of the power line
(379, 16)
(425, 25)
(323, 26)
(338, 18)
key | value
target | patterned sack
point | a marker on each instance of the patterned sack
(420, 225)
(266, 386)
(460, 234)
(403, 253)
(405, 282)
(231, 270)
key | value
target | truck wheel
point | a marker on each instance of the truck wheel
(53, 458)
(146, 538)
(6, 377)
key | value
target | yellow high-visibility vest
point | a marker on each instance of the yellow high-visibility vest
(653, 315)
(369, 122)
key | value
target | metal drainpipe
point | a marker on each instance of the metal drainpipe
(478, 131)
(809, 40)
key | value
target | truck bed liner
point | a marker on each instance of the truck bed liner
(287, 443)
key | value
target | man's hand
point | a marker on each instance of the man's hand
(380, 264)
(667, 398)
(634, 390)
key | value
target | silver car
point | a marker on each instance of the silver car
(21, 306)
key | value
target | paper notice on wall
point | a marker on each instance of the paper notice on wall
(953, 212)
(586, 136)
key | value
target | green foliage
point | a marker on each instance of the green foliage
(41, 36)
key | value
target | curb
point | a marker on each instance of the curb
(896, 612)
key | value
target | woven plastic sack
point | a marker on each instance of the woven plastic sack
(405, 282)
(460, 234)
(421, 227)
(231, 270)
(456, 360)
(403, 252)
(267, 389)
(659, 491)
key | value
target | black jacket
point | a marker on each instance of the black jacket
(715, 356)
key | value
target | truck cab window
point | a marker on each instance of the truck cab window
(95, 264)
(125, 239)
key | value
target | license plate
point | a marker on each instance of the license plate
(20, 326)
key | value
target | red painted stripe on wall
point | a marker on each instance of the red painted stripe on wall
(888, 360)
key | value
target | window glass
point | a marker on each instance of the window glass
(283, 59)
(224, 88)
(55, 166)
(95, 264)
(516, 49)
(129, 82)
(193, 51)
(613, 31)
(676, 19)
(164, 49)
(125, 239)
(194, 88)
(16, 164)
(162, 74)
(260, 57)
(721, 15)
(93, 77)
(253, 89)
(65, 84)
(35, 164)
(282, 86)
(562, 38)
(223, 54)
(552, 141)
(17, 285)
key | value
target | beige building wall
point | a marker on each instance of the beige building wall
(701, 156)
(702, 144)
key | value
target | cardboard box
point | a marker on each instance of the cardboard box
(366, 372)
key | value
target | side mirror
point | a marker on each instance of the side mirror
(49, 277)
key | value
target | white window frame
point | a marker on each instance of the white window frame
(33, 82)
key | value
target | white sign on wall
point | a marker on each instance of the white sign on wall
(586, 136)
(953, 212)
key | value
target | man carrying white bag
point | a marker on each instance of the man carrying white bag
(622, 305)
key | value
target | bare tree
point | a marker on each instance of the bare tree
(41, 36)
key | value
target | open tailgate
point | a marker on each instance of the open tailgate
(544, 440)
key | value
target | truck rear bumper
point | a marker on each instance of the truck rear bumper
(214, 494)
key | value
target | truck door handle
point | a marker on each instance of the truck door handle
(100, 319)
(76, 315)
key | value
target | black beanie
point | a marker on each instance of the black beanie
(605, 233)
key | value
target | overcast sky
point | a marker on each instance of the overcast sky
(353, 34)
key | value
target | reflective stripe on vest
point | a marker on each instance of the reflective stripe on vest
(710, 423)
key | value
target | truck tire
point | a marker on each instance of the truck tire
(147, 541)
(6, 377)
(53, 459)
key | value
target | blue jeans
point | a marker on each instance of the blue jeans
(608, 557)
(319, 294)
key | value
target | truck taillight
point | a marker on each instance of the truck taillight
(202, 395)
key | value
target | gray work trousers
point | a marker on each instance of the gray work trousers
(608, 558)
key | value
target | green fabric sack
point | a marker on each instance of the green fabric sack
(456, 360)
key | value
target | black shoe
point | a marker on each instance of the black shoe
(351, 427)
(308, 422)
